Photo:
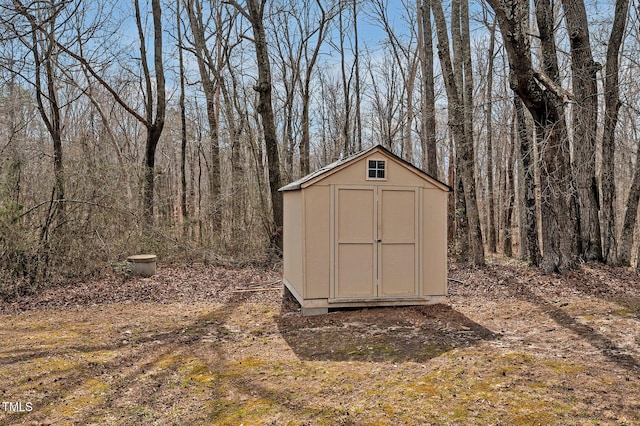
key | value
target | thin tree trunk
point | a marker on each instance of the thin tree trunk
(428, 99)
(527, 160)
(154, 123)
(630, 217)
(469, 174)
(183, 130)
(509, 193)
(346, 147)
(612, 106)
(306, 90)
(451, 201)
(491, 238)
(255, 14)
(356, 65)
(211, 88)
(236, 125)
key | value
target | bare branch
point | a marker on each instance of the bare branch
(556, 89)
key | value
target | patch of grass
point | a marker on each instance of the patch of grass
(225, 412)
(622, 312)
(86, 397)
(200, 372)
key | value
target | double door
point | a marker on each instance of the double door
(375, 242)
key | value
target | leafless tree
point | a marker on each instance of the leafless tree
(612, 106)
(428, 98)
(36, 26)
(456, 75)
(585, 126)
(544, 97)
(491, 237)
(253, 11)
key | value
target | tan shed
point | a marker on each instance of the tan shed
(367, 230)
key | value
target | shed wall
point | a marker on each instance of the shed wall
(434, 242)
(293, 240)
(317, 214)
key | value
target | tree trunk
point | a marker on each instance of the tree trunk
(527, 160)
(211, 87)
(356, 66)
(236, 124)
(310, 63)
(468, 153)
(509, 193)
(183, 129)
(630, 217)
(265, 109)
(558, 202)
(459, 122)
(154, 123)
(428, 98)
(346, 145)
(612, 105)
(491, 238)
(543, 97)
(585, 127)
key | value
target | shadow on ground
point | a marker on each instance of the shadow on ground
(381, 334)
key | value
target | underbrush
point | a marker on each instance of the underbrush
(39, 255)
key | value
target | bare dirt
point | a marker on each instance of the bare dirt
(214, 345)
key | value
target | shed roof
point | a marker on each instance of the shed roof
(340, 164)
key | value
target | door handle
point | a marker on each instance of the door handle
(377, 241)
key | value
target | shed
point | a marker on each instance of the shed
(366, 230)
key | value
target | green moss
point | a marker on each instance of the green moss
(201, 373)
(623, 312)
(230, 412)
(85, 398)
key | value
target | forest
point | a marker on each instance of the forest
(169, 126)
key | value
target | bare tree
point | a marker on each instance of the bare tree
(585, 127)
(457, 86)
(406, 58)
(630, 216)
(254, 13)
(527, 160)
(38, 34)
(346, 84)
(183, 125)
(544, 97)
(491, 237)
(428, 97)
(156, 101)
(356, 72)
(509, 189)
(612, 106)
(310, 55)
(210, 64)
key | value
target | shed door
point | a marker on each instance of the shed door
(376, 242)
(397, 242)
(355, 238)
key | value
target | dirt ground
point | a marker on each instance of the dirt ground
(212, 345)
